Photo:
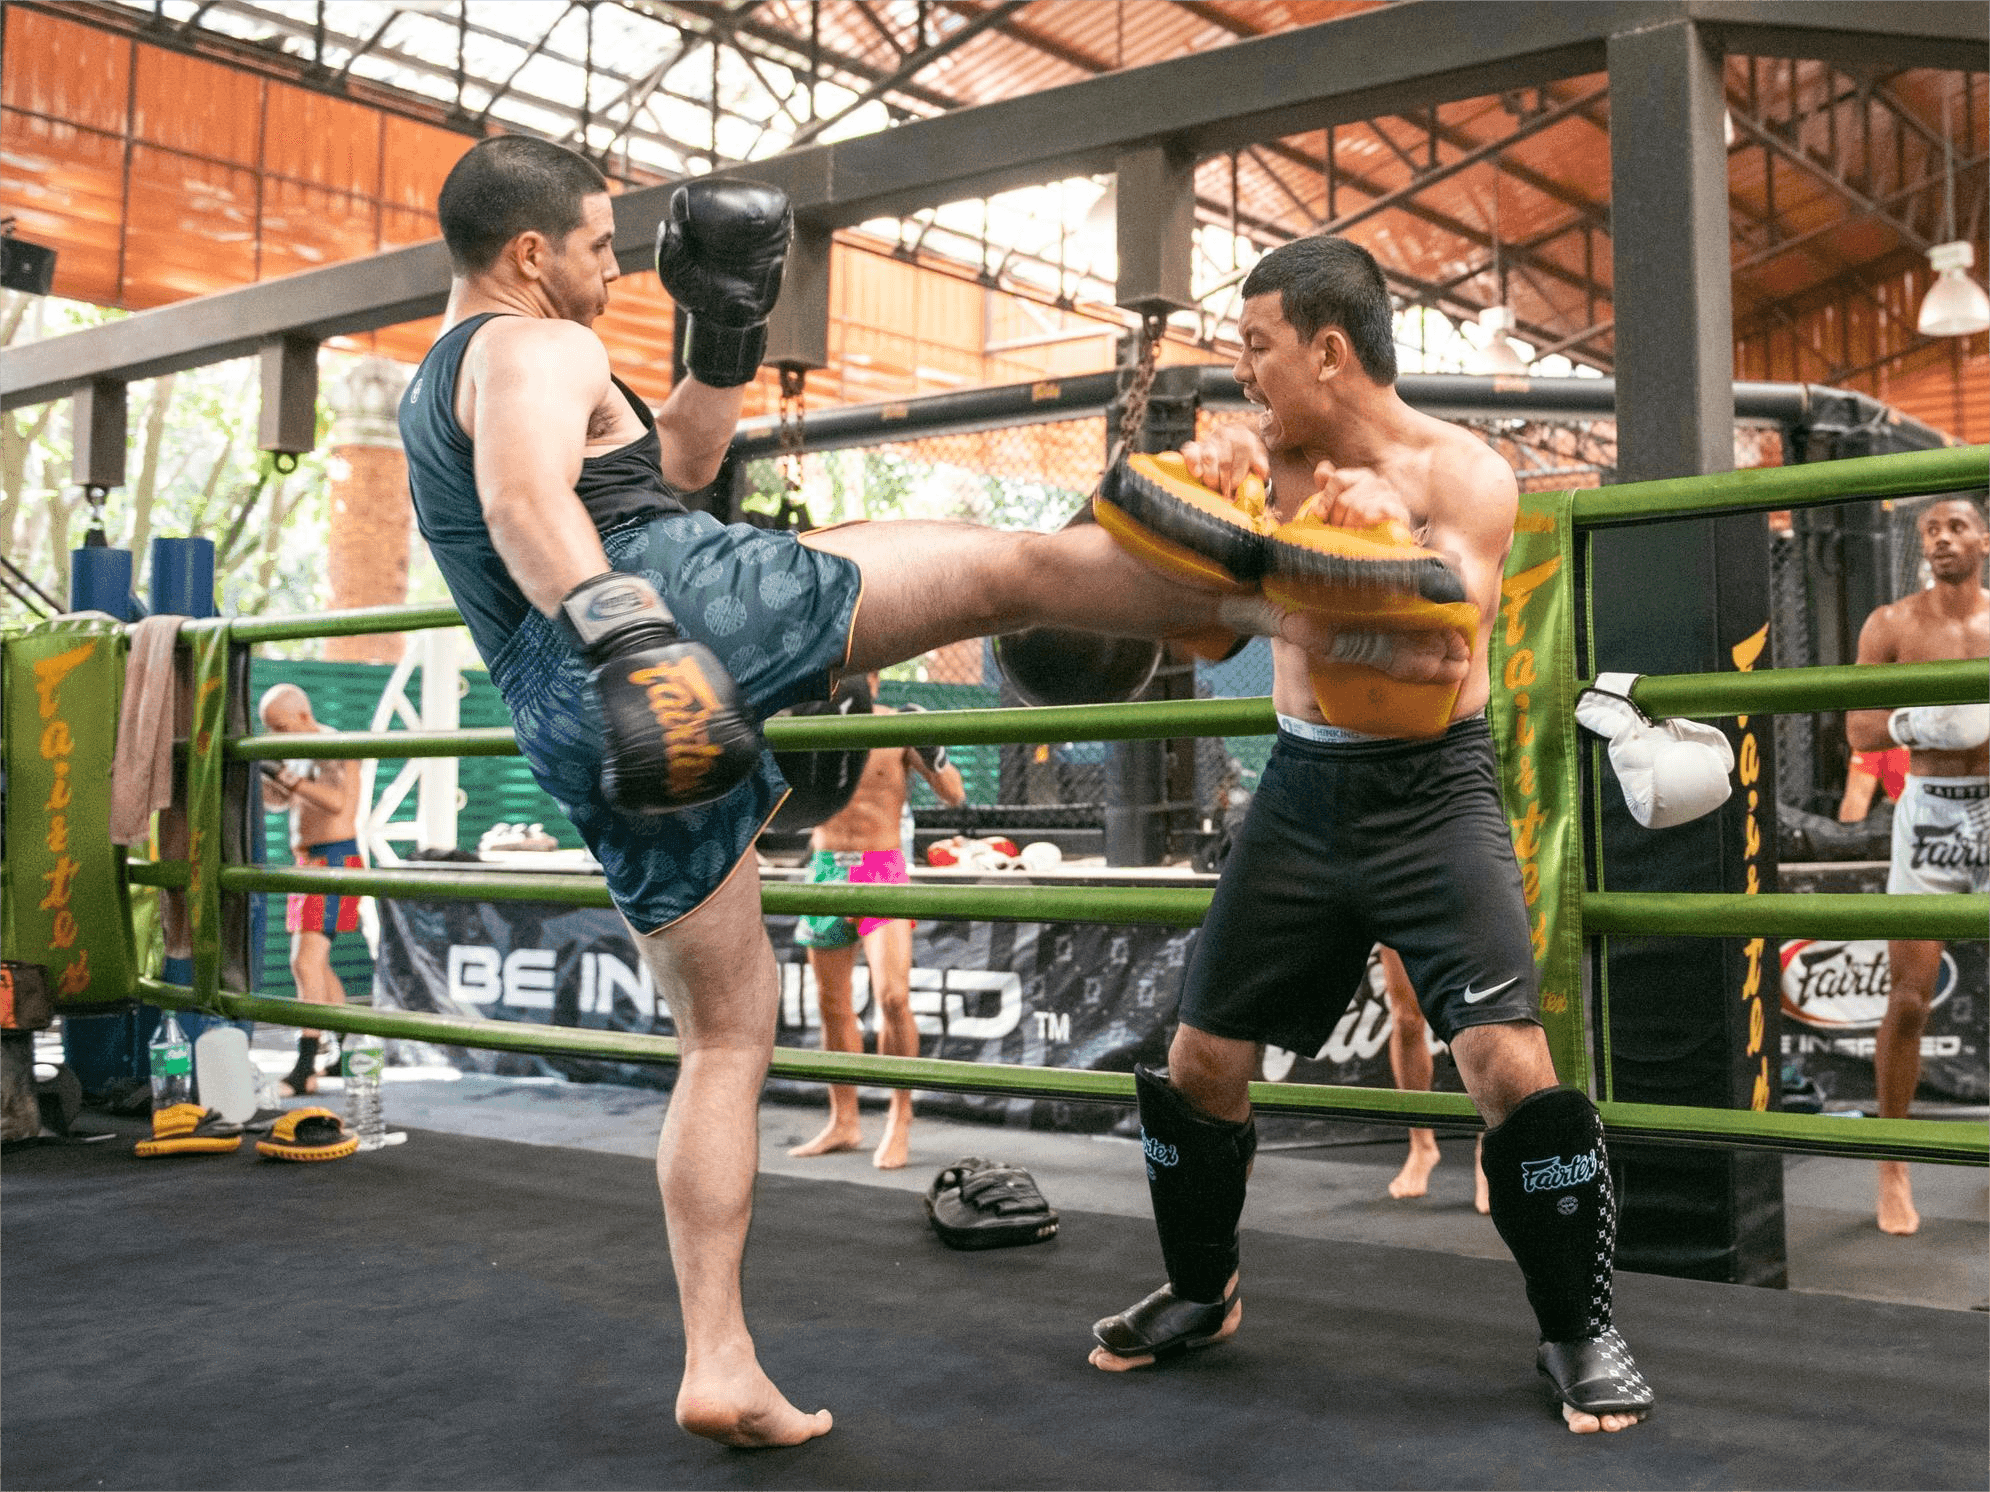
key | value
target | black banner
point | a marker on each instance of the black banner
(1070, 995)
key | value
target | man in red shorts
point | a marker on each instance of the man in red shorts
(322, 799)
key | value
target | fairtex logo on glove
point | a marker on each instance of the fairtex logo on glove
(1553, 1174)
(683, 703)
(1160, 1154)
(609, 603)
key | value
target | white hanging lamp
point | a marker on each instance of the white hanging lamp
(1955, 305)
(1495, 355)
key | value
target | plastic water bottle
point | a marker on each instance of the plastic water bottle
(170, 1057)
(361, 1058)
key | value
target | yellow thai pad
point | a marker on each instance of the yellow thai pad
(189, 1129)
(1334, 567)
(308, 1134)
(1352, 695)
(1188, 532)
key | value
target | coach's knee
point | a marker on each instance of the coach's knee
(1213, 1072)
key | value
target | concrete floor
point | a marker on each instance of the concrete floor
(1334, 1192)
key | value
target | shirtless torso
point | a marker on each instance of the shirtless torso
(861, 843)
(1938, 836)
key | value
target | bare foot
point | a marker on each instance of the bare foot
(744, 1409)
(834, 1137)
(1112, 1362)
(1589, 1424)
(290, 1090)
(1896, 1200)
(1481, 1193)
(895, 1148)
(1414, 1178)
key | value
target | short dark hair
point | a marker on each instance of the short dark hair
(508, 185)
(1968, 500)
(1332, 282)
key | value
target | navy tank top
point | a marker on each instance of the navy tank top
(617, 488)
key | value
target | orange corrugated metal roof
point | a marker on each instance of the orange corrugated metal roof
(234, 174)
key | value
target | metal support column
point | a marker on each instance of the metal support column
(1155, 228)
(798, 331)
(1691, 1021)
(98, 411)
(289, 422)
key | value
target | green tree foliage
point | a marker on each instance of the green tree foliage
(192, 469)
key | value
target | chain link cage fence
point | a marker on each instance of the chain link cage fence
(1033, 473)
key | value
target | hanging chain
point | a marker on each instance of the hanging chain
(1133, 405)
(793, 381)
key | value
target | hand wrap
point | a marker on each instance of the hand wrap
(935, 757)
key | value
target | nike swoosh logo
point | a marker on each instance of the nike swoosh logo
(1472, 996)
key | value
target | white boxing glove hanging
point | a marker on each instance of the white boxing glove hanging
(1671, 773)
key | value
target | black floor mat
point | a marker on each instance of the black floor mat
(470, 1313)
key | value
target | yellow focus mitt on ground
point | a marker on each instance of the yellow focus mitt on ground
(308, 1134)
(1306, 562)
(189, 1129)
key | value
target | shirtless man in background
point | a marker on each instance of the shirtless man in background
(1942, 821)
(1354, 839)
(860, 845)
(322, 799)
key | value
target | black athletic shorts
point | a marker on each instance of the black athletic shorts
(1346, 845)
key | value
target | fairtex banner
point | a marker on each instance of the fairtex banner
(1029, 994)
(63, 902)
(1532, 710)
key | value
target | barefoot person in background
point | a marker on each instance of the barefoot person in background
(1413, 1070)
(1942, 820)
(322, 799)
(860, 845)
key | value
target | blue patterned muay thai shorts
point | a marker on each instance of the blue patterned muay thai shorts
(776, 613)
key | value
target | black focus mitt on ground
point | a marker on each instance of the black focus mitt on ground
(983, 1204)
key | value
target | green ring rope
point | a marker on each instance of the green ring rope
(1931, 1140)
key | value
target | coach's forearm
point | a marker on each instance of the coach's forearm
(546, 541)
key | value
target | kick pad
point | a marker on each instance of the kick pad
(1308, 569)
(1187, 531)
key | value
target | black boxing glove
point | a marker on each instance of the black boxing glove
(719, 252)
(675, 732)
(935, 757)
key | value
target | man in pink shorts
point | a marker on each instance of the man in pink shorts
(860, 845)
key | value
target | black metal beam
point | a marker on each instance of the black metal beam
(1856, 37)
(1382, 61)
(1670, 254)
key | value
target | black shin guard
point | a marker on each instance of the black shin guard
(1196, 1171)
(1549, 1181)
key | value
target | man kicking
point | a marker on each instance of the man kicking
(859, 844)
(638, 644)
(1941, 826)
(1354, 839)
